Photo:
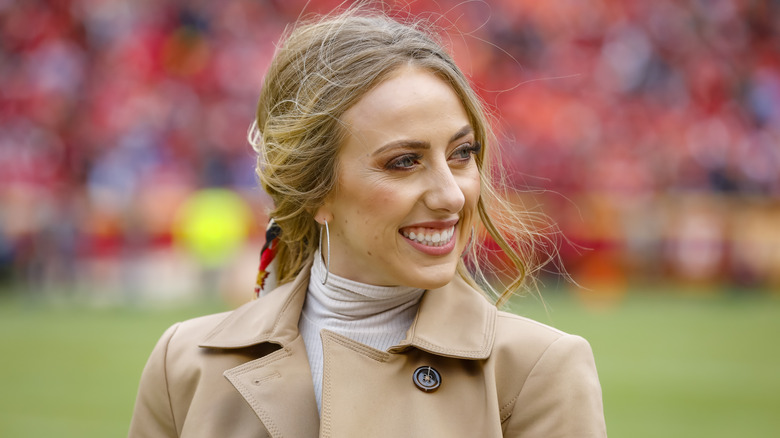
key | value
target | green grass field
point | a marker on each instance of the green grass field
(670, 366)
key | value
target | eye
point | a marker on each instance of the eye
(404, 162)
(464, 151)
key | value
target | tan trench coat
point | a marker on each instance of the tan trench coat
(245, 374)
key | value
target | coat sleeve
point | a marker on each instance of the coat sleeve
(153, 414)
(561, 397)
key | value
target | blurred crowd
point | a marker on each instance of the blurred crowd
(649, 131)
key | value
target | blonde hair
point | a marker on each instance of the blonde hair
(324, 67)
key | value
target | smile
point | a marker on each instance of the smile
(429, 236)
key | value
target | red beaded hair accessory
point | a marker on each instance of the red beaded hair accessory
(266, 275)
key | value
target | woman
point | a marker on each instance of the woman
(373, 147)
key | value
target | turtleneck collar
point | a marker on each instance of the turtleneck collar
(345, 301)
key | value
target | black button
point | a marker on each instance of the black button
(426, 378)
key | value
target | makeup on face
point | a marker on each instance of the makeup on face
(408, 184)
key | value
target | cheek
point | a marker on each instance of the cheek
(383, 199)
(471, 187)
(374, 206)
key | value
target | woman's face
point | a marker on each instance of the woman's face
(408, 185)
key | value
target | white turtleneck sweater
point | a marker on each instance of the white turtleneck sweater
(377, 316)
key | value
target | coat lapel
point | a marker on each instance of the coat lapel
(453, 321)
(279, 389)
(271, 318)
(277, 386)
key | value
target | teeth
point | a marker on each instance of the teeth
(430, 237)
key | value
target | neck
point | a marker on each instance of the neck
(343, 299)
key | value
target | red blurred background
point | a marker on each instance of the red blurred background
(649, 131)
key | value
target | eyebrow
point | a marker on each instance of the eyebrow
(417, 144)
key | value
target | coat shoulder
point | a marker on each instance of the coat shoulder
(192, 331)
(178, 352)
(524, 340)
(515, 329)
(535, 361)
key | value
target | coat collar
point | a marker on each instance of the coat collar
(454, 321)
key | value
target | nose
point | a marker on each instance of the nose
(443, 192)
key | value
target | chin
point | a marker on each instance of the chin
(432, 278)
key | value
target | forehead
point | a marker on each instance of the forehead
(413, 102)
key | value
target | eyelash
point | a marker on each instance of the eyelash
(470, 148)
(394, 163)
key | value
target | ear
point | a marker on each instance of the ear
(323, 214)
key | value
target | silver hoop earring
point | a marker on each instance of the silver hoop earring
(327, 259)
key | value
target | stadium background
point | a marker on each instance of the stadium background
(648, 131)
